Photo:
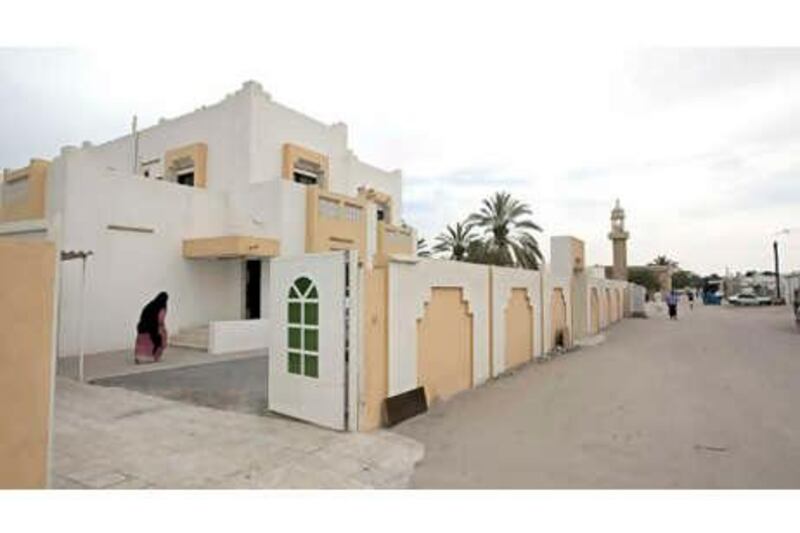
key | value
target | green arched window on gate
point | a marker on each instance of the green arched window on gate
(303, 328)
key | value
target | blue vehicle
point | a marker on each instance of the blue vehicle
(712, 292)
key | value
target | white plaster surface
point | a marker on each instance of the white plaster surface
(228, 336)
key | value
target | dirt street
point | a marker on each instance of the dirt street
(709, 401)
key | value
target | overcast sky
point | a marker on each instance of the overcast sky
(702, 146)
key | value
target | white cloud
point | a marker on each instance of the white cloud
(700, 145)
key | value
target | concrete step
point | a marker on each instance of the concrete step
(195, 338)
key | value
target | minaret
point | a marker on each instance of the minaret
(619, 238)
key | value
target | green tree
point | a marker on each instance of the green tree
(455, 241)
(684, 278)
(422, 248)
(663, 260)
(644, 277)
(507, 238)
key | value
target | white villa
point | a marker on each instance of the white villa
(197, 206)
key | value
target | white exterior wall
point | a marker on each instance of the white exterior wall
(503, 281)
(363, 174)
(599, 285)
(274, 125)
(224, 127)
(130, 268)
(410, 286)
(636, 295)
(238, 335)
(790, 282)
(274, 209)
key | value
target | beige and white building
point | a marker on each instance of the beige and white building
(198, 206)
(268, 232)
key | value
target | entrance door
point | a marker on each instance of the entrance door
(313, 320)
(252, 290)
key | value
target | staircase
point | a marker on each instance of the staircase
(195, 338)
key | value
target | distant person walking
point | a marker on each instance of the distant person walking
(672, 305)
(690, 295)
(151, 330)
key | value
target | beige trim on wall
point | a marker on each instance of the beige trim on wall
(444, 344)
(294, 155)
(32, 205)
(192, 155)
(378, 197)
(230, 246)
(27, 280)
(376, 348)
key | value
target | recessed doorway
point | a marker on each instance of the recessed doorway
(252, 289)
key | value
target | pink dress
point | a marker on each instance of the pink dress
(144, 344)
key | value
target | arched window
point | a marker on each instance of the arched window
(303, 328)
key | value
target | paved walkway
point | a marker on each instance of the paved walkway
(237, 385)
(108, 437)
(120, 363)
(709, 401)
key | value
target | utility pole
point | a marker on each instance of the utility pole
(777, 271)
(135, 141)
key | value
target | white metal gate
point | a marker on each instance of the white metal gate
(312, 359)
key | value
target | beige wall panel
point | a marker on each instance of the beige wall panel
(444, 344)
(394, 240)
(376, 357)
(27, 273)
(519, 328)
(328, 233)
(31, 204)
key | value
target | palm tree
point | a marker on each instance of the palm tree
(508, 238)
(455, 240)
(422, 248)
(663, 260)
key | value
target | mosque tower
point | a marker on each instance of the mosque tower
(619, 239)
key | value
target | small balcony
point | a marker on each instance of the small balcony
(334, 222)
(395, 240)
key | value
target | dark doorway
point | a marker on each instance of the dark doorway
(252, 290)
(186, 178)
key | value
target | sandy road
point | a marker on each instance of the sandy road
(709, 401)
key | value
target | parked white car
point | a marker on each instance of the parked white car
(764, 300)
(744, 299)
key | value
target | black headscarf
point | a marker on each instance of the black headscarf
(148, 321)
